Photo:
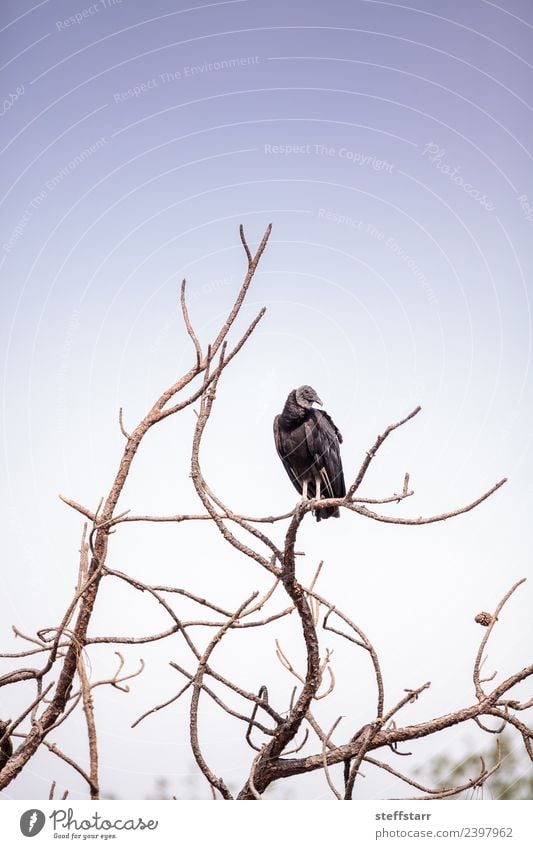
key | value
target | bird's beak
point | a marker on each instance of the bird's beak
(318, 401)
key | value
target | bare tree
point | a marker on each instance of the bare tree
(62, 682)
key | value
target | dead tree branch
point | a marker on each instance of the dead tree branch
(274, 733)
(102, 525)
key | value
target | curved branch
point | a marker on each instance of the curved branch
(478, 661)
(392, 736)
(208, 396)
(99, 537)
(287, 730)
(443, 792)
(372, 453)
(197, 685)
(189, 326)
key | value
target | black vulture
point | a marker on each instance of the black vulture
(308, 442)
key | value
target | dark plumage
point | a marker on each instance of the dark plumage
(308, 442)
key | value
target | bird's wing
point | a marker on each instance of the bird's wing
(323, 440)
(279, 449)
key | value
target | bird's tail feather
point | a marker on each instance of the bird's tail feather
(326, 512)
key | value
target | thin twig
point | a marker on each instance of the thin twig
(325, 760)
(189, 326)
(121, 425)
(197, 688)
(88, 709)
(371, 454)
(477, 663)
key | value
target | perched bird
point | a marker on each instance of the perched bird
(308, 443)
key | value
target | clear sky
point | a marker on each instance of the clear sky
(390, 146)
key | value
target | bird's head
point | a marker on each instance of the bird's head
(306, 397)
